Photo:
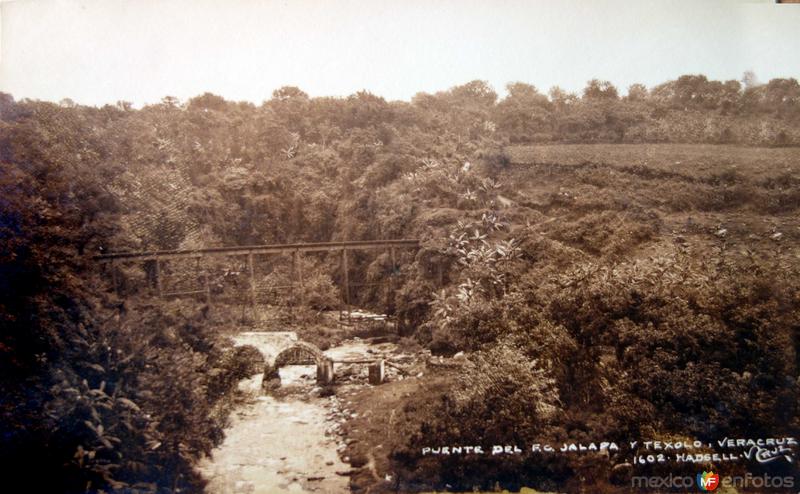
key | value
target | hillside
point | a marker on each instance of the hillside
(605, 267)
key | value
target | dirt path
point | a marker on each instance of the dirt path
(285, 444)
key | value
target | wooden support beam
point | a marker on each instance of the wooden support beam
(299, 267)
(260, 249)
(390, 288)
(294, 268)
(298, 274)
(293, 288)
(251, 269)
(159, 284)
(207, 286)
(346, 276)
(114, 278)
(185, 292)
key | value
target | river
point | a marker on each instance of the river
(289, 443)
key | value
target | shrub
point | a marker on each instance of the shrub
(502, 397)
(132, 402)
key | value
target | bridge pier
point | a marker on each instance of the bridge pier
(271, 380)
(377, 373)
(325, 372)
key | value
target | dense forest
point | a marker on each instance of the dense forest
(590, 329)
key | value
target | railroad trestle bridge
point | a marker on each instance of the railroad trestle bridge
(159, 258)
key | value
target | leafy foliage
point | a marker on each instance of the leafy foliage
(568, 279)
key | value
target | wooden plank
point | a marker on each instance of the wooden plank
(260, 249)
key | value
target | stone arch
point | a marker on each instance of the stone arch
(245, 360)
(299, 353)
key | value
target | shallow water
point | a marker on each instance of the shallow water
(279, 445)
(276, 446)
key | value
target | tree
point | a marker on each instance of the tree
(289, 92)
(637, 92)
(730, 94)
(782, 97)
(290, 106)
(474, 93)
(7, 107)
(206, 102)
(600, 90)
(171, 101)
(523, 113)
(561, 98)
(749, 79)
(363, 109)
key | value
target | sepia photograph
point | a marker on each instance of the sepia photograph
(385, 246)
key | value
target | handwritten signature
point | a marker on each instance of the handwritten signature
(766, 455)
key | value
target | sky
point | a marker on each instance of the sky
(103, 51)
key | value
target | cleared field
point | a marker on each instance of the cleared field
(692, 160)
(614, 199)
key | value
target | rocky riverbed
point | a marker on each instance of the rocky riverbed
(293, 441)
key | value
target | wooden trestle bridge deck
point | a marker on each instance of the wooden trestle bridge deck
(248, 251)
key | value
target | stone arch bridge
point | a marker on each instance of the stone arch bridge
(281, 348)
(300, 353)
